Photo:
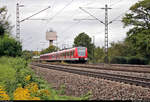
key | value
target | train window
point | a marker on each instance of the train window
(67, 53)
(72, 53)
(81, 51)
(56, 55)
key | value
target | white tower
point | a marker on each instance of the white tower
(51, 36)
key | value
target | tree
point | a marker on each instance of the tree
(84, 40)
(121, 49)
(4, 24)
(10, 47)
(51, 48)
(99, 55)
(139, 35)
(27, 54)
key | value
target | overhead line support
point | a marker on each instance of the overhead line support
(106, 23)
(35, 14)
(106, 32)
(18, 19)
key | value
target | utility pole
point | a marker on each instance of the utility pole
(106, 27)
(93, 48)
(106, 32)
(18, 21)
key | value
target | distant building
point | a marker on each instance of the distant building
(51, 36)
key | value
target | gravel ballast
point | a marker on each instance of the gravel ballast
(77, 85)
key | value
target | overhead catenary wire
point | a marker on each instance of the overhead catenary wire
(72, 25)
(115, 3)
(91, 15)
(89, 3)
(54, 2)
(35, 14)
(115, 19)
(61, 10)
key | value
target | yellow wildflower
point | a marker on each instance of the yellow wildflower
(27, 78)
(35, 98)
(22, 94)
(44, 92)
(3, 95)
(32, 87)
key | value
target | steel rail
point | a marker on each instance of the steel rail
(144, 82)
(101, 67)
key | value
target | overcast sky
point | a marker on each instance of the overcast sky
(60, 17)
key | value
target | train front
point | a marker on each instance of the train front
(82, 54)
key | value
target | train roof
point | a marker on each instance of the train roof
(61, 51)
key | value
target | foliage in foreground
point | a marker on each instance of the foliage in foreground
(18, 82)
(10, 47)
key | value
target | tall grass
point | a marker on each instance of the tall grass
(6, 73)
(17, 78)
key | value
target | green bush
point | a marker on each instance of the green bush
(10, 47)
(128, 60)
(137, 60)
(13, 74)
(118, 60)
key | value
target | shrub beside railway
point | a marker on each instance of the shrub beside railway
(129, 60)
(18, 82)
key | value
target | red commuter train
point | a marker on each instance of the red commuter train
(76, 54)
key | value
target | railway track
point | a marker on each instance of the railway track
(144, 82)
(113, 67)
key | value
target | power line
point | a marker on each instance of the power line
(106, 8)
(91, 15)
(53, 5)
(64, 8)
(35, 14)
(115, 19)
(115, 3)
(61, 10)
(89, 3)
(18, 21)
(70, 26)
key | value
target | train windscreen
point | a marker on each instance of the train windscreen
(81, 51)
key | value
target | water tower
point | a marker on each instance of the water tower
(51, 36)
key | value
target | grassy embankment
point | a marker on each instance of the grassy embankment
(18, 82)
